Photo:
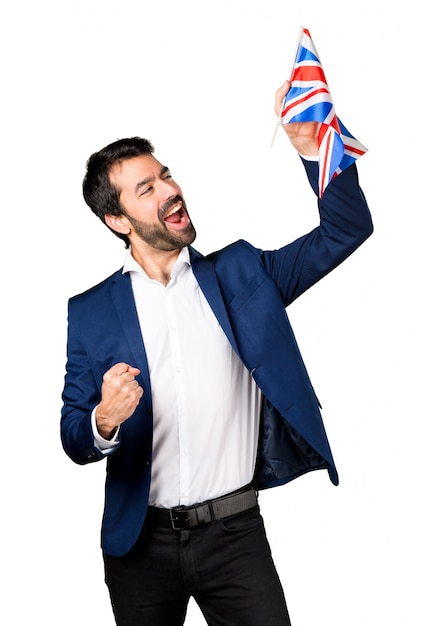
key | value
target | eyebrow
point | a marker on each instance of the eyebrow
(141, 184)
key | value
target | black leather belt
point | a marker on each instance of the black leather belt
(183, 517)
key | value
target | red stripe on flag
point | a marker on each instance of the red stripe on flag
(304, 99)
(352, 149)
(325, 162)
(308, 72)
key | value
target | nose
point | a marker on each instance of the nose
(169, 188)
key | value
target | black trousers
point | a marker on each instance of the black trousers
(226, 566)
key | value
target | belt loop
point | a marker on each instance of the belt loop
(202, 513)
(211, 509)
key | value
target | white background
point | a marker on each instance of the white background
(198, 79)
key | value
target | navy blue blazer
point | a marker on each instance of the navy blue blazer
(248, 290)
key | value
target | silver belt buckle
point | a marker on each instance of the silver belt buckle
(179, 518)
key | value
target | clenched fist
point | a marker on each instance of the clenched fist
(120, 396)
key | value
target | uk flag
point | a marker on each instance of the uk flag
(309, 100)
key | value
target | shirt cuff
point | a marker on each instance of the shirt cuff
(309, 158)
(103, 445)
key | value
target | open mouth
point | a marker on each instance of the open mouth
(177, 215)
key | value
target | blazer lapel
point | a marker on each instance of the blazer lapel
(206, 276)
(123, 299)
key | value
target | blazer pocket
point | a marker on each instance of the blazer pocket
(246, 293)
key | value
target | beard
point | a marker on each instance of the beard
(159, 236)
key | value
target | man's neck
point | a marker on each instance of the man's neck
(157, 264)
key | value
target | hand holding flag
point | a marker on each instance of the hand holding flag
(309, 100)
(303, 135)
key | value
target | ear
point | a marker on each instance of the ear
(118, 223)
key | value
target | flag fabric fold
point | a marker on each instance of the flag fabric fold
(309, 100)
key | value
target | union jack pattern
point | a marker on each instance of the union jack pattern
(309, 100)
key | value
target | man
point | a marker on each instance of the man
(183, 372)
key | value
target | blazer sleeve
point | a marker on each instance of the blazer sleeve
(81, 394)
(345, 223)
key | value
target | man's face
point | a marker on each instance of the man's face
(154, 208)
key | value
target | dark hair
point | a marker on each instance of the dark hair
(100, 195)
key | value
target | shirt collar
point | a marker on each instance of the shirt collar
(130, 264)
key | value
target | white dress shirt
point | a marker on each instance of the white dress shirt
(206, 405)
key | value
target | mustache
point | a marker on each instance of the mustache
(166, 206)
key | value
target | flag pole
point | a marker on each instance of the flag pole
(278, 122)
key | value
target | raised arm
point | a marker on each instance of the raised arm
(345, 221)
